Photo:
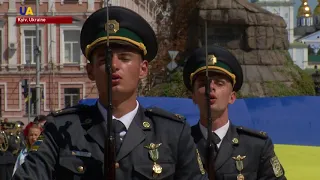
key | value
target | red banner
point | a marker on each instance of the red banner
(44, 20)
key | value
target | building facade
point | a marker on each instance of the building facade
(63, 77)
(307, 31)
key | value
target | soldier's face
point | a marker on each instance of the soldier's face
(221, 92)
(128, 68)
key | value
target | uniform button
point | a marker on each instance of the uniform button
(117, 165)
(80, 169)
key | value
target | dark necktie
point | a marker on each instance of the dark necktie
(118, 127)
(216, 140)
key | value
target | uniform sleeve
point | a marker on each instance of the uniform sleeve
(270, 167)
(189, 164)
(39, 165)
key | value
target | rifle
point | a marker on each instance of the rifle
(211, 146)
(109, 148)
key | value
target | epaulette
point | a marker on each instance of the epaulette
(71, 110)
(155, 111)
(251, 132)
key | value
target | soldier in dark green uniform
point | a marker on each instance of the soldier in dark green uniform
(73, 143)
(239, 153)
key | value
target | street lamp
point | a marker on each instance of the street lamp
(316, 80)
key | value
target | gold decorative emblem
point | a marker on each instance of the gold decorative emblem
(212, 60)
(179, 116)
(154, 155)
(112, 26)
(263, 133)
(80, 169)
(235, 140)
(200, 162)
(157, 169)
(240, 177)
(239, 165)
(146, 124)
(276, 166)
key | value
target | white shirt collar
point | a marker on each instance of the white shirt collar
(221, 132)
(126, 119)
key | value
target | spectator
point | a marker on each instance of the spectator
(31, 132)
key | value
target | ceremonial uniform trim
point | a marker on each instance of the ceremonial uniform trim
(122, 35)
(154, 111)
(202, 170)
(260, 134)
(276, 166)
(219, 66)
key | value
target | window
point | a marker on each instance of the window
(72, 53)
(71, 96)
(33, 101)
(30, 45)
(32, 98)
(286, 15)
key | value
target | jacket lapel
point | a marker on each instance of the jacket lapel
(98, 129)
(134, 136)
(200, 141)
(227, 147)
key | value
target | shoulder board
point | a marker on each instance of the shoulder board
(155, 111)
(259, 134)
(71, 110)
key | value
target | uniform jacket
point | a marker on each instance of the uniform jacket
(73, 148)
(254, 149)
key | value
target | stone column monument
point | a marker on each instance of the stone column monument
(257, 38)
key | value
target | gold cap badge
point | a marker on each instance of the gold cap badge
(112, 26)
(212, 60)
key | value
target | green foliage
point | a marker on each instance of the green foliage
(173, 88)
(241, 96)
(309, 71)
(302, 84)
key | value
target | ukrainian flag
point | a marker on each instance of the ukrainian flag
(28, 98)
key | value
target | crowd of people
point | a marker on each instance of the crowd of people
(16, 141)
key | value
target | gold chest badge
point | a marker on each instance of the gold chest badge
(239, 165)
(154, 155)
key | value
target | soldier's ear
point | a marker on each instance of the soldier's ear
(232, 97)
(89, 68)
(143, 69)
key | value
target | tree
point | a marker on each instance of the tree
(172, 25)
